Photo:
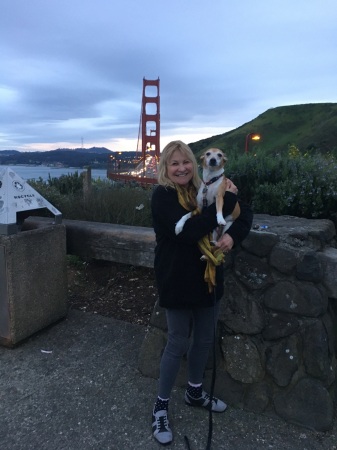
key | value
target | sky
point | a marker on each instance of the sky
(72, 70)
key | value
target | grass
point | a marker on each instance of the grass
(310, 127)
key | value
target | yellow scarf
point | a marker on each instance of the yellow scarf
(213, 255)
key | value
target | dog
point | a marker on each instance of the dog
(213, 189)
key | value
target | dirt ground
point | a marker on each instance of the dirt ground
(113, 290)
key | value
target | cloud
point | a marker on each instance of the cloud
(74, 70)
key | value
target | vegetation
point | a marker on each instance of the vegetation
(107, 202)
(292, 184)
(311, 127)
(297, 185)
(290, 171)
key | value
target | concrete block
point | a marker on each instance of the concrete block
(33, 282)
(110, 242)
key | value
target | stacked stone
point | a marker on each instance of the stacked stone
(277, 328)
(278, 324)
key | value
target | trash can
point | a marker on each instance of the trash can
(33, 269)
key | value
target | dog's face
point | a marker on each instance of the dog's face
(214, 159)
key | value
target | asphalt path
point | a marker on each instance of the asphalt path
(76, 386)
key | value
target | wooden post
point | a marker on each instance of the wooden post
(87, 181)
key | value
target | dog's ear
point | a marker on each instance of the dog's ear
(225, 158)
(203, 160)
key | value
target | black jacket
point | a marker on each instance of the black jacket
(178, 269)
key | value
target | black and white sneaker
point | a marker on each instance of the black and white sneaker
(160, 427)
(205, 402)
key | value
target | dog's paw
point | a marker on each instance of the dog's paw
(220, 219)
(180, 224)
(179, 228)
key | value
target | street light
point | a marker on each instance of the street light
(253, 137)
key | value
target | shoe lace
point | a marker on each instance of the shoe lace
(208, 397)
(162, 423)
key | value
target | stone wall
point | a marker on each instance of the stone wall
(276, 337)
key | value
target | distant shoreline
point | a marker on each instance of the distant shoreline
(35, 172)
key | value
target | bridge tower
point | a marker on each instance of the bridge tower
(150, 119)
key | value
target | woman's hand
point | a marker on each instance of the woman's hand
(231, 186)
(225, 243)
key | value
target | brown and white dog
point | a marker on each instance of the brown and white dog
(213, 189)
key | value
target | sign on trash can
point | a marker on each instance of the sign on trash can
(17, 196)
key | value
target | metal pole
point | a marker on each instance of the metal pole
(247, 142)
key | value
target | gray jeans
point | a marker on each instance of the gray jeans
(190, 331)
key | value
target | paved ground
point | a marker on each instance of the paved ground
(75, 386)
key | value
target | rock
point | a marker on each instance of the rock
(158, 318)
(257, 397)
(240, 312)
(310, 268)
(282, 360)
(231, 391)
(284, 258)
(316, 351)
(242, 359)
(252, 271)
(307, 404)
(260, 243)
(328, 258)
(151, 350)
(279, 325)
(297, 298)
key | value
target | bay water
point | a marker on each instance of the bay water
(36, 172)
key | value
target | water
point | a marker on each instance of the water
(35, 172)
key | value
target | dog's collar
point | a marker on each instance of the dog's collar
(205, 189)
(212, 180)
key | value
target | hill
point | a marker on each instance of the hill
(309, 127)
(96, 150)
(78, 157)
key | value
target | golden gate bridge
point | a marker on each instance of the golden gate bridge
(144, 170)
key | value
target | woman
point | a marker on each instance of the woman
(179, 273)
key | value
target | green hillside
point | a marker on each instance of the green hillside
(310, 127)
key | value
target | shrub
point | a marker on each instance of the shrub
(107, 202)
(114, 204)
(298, 185)
(302, 186)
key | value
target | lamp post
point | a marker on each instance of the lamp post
(253, 137)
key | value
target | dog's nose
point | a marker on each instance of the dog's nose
(212, 162)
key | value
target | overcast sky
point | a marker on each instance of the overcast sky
(72, 70)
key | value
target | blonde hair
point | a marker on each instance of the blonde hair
(165, 157)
